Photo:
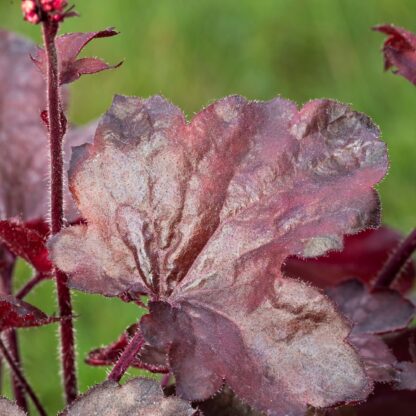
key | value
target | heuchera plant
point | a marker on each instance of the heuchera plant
(219, 227)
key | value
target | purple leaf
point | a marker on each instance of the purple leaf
(10, 408)
(69, 46)
(406, 377)
(15, 313)
(137, 397)
(27, 241)
(363, 257)
(201, 216)
(379, 361)
(399, 51)
(376, 312)
(148, 358)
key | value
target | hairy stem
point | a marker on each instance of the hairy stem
(8, 262)
(29, 285)
(18, 389)
(127, 357)
(56, 133)
(397, 261)
(19, 375)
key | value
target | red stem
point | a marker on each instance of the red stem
(18, 389)
(19, 375)
(56, 133)
(397, 261)
(8, 263)
(29, 285)
(127, 357)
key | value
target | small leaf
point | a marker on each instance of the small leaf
(363, 257)
(15, 313)
(202, 215)
(69, 46)
(379, 361)
(8, 408)
(376, 312)
(138, 397)
(399, 51)
(148, 358)
(406, 377)
(28, 242)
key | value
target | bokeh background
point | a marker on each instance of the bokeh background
(195, 51)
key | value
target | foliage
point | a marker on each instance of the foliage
(215, 227)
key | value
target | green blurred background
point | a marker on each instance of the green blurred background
(194, 51)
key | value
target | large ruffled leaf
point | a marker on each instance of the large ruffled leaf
(362, 257)
(23, 137)
(201, 217)
(399, 51)
(138, 397)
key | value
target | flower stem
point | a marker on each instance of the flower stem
(127, 357)
(56, 133)
(19, 375)
(397, 261)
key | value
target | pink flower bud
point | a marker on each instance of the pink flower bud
(30, 11)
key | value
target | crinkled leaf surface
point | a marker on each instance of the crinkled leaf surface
(399, 51)
(23, 137)
(68, 47)
(376, 312)
(27, 241)
(148, 358)
(202, 215)
(362, 257)
(138, 397)
(8, 408)
(15, 313)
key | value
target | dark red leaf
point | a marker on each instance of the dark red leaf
(363, 256)
(138, 396)
(406, 376)
(399, 51)
(23, 137)
(377, 312)
(69, 46)
(15, 313)
(8, 408)
(403, 344)
(148, 358)
(225, 403)
(383, 402)
(379, 361)
(27, 241)
(201, 217)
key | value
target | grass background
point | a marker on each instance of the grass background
(194, 51)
